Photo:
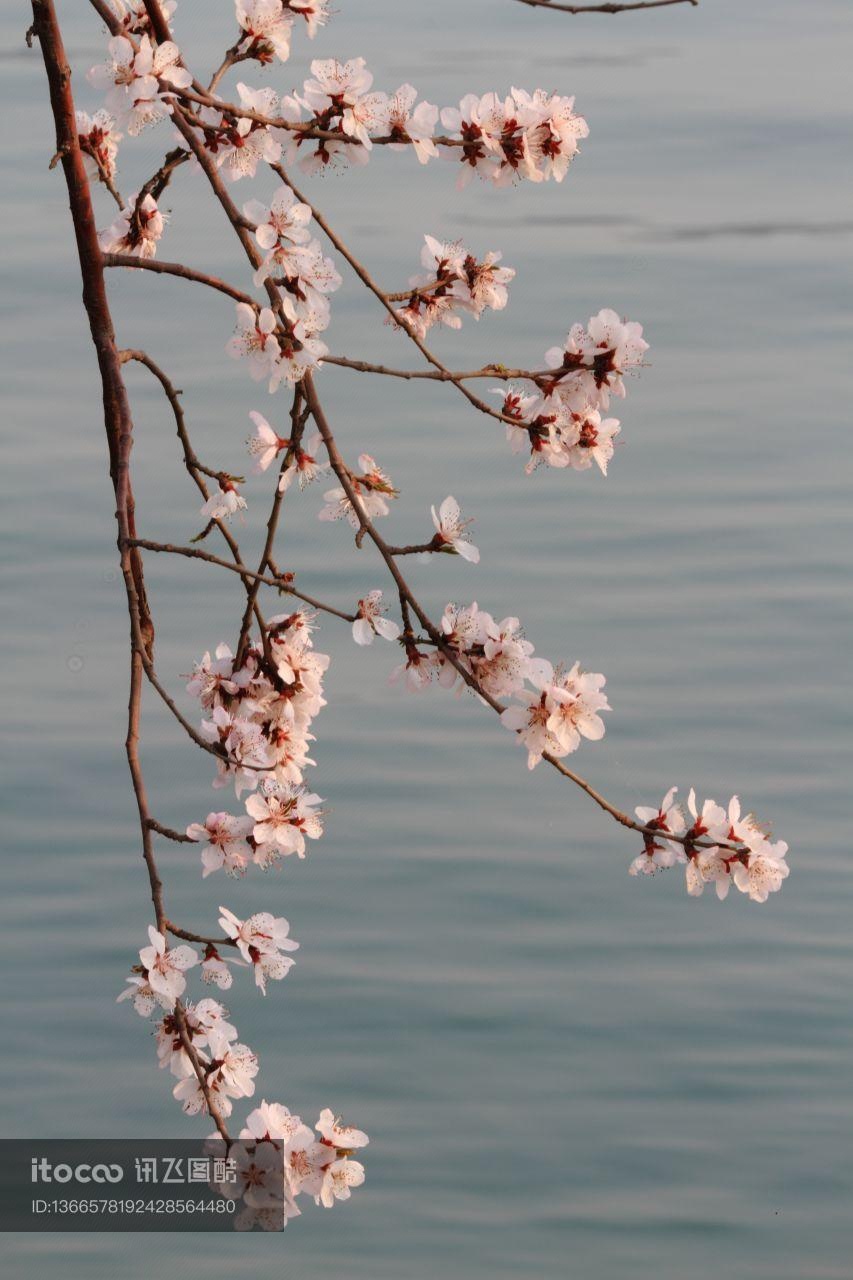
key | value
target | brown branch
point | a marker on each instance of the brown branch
(169, 833)
(119, 428)
(281, 582)
(604, 8)
(272, 524)
(176, 269)
(499, 371)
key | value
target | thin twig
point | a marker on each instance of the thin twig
(604, 8)
(177, 269)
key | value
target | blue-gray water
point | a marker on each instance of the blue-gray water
(564, 1071)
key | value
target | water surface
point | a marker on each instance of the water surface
(563, 1071)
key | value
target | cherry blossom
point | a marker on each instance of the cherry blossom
(213, 677)
(576, 700)
(304, 464)
(561, 709)
(226, 846)
(271, 1122)
(99, 139)
(136, 230)
(145, 998)
(163, 968)
(415, 672)
(660, 853)
(587, 438)
(593, 360)
(507, 658)
(535, 427)
(245, 144)
(268, 28)
(229, 1073)
(552, 132)
(412, 125)
(265, 445)
(284, 815)
(134, 16)
(338, 1180)
(131, 78)
(710, 822)
(373, 490)
(477, 153)
(214, 970)
(261, 939)
(529, 717)
(279, 228)
(455, 284)
(763, 871)
(761, 868)
(254, 340)
(314, 12)
(371, 622)
(339, 1135)
(450, 531)
(225, 500)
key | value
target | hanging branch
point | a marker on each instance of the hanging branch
(258, 703)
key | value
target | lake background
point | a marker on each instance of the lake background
(564, 1071)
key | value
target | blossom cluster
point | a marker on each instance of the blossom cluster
(99, 139)
(268, 25)
(260, 712)
(338, 115)
(560, 423)
(137, 78)
(455, 284)
(282, 348)
(279, 1158)
(197, 1043)
(722, 847)
(373, 491)
(136, 230)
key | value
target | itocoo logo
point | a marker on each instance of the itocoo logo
(43, 1171)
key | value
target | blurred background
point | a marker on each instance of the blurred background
(563, 1070)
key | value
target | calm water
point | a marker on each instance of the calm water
(563, 1071)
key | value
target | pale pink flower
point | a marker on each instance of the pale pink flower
(225, 843)
(412, 125)
(268, 28)
(315, 13)
(99, 141)
(164, 968)
(575, 700)
(371, 621)
(224, 501)
(338, 1180)
(341, 1136)
(450, 531)
(214, 970)
(136, 230)
(213, 676)
(265, 445)
(304, 464)
(284, 814)
(246, 143)
(658, 852)
(254, 340)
